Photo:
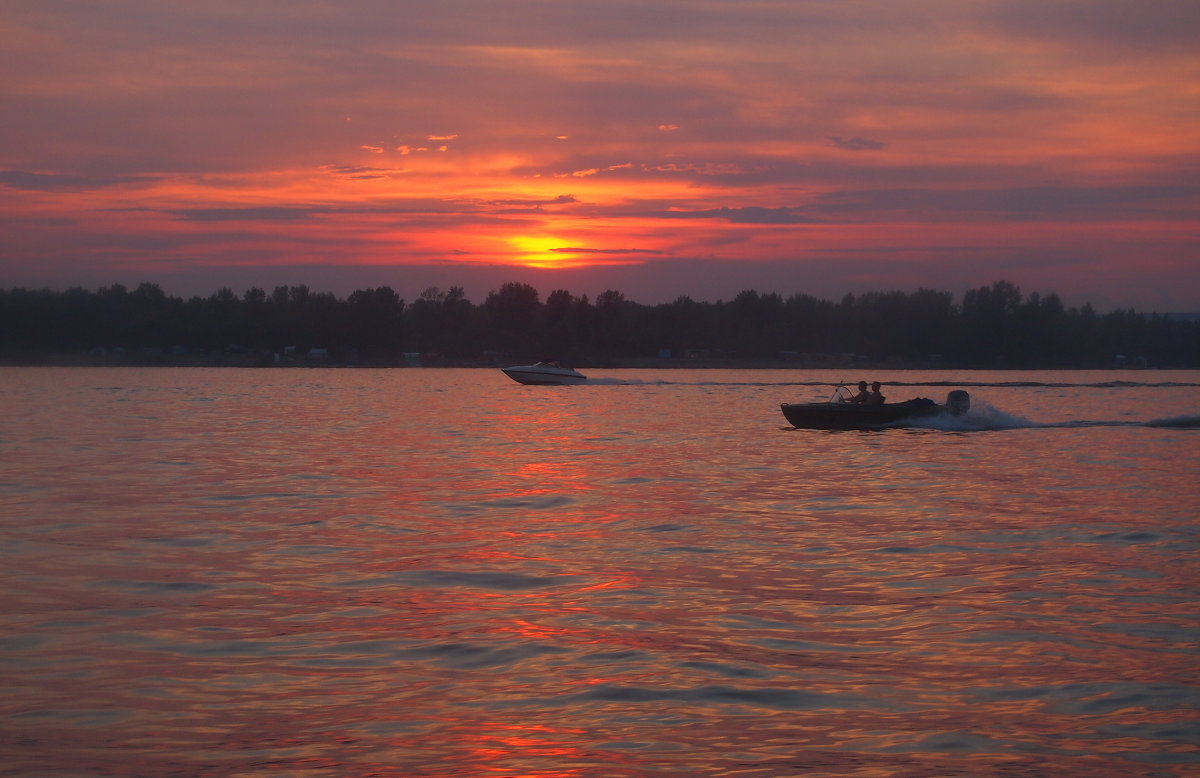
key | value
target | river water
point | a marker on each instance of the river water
(440, 572)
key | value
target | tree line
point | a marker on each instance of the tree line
(991, 326)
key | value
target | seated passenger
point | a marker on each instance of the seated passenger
(875, 397)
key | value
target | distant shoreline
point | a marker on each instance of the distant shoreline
(630, 363)
(994, 327)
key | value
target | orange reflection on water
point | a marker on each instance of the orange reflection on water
(496, 747)
(591, 587)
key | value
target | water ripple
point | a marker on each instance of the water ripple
(339, 572)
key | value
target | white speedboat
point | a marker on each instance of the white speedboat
(544, 374)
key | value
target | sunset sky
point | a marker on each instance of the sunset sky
(656, 147)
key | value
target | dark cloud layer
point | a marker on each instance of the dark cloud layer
(50, 182)
(856, 143)
(748, 215)
(1111, 24)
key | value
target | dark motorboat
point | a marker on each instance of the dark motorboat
(840, 415)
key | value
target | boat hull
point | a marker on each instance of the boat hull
(534, 375)
(849, 416)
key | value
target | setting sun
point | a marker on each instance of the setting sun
(543, 251)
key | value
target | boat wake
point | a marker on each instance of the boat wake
(641, 382)
(1178, 422)
(983, 416)
(613, 381)
(1052, 384)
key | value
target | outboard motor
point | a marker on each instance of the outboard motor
(958, 402)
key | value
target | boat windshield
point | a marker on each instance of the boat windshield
(841, 394)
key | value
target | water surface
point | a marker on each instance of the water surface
(441, 572)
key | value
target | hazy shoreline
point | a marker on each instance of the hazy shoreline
(629, 363)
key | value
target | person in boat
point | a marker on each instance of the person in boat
(862, 395)
(874, 397)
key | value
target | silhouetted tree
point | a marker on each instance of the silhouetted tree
(374, 323)
(514, 314)
(994, 326)
(986, 323)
